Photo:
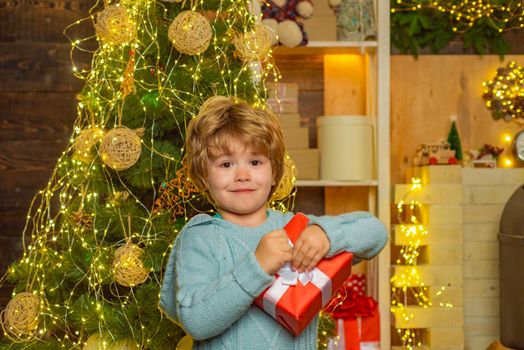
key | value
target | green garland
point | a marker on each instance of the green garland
(429, 24)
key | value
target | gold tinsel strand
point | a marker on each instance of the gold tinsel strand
(287, 183)
(190, 33)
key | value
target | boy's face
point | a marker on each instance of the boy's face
(239, 182)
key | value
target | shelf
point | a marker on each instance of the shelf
(335, 183)
(328, 47)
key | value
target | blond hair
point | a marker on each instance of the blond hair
(224, 118)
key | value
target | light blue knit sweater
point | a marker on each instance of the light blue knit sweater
(212, 278)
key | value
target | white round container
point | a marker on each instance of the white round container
(346, 148)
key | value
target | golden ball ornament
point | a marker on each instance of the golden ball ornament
(128, 268)
(84, 143)
(255, 44)
(114, 25)
(287, 183)
(95, 342)
(20, 317)
(120, 148)
(190, 32)
(186, 343)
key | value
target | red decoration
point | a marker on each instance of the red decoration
(294, 306)
(357, 316)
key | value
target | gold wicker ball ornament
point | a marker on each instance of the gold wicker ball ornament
(114, 26)
(255, 44)
(287, 183)
(128, 268)
(84, 143)
(20, 317)
(95, 342)
(120, 148)
(190, 33)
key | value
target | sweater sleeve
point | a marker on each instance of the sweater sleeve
(207, 301)
(358, 232)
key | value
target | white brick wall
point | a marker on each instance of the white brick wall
(485, 191)
(462, 208)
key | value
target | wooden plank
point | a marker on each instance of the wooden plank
(19, 187)
(44, 21)
(29, 155)
(39, 67)
(443, 85)
(344, 85)
(37, 116)
(11, 249)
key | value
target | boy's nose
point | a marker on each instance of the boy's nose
(242, 175)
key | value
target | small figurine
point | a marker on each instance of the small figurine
(434, 153)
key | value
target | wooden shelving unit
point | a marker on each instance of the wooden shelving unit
(359, 85)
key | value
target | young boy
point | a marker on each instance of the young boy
(220, 264)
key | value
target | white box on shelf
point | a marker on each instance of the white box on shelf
(346, 147)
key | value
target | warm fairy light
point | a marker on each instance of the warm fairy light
(508, 163)
(465, 14)
(407, 282)
(507, 138)
(504, 94)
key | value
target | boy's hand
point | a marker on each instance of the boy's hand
(273, 251)
(310, 248)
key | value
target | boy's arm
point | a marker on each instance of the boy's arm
(207, 302)
(358, 232)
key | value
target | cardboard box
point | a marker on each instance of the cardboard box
(282, 90)
(283, 105)
(296, 137)
(289, 120)
(307, 163)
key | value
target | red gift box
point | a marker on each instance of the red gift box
(360, 333)
(357, 317)
(295, 306)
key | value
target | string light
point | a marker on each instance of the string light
(407, 287)
(465, 14)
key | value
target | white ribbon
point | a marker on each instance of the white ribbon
(318, 278)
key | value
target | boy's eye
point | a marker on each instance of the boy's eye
(225, 164)
(255, 162)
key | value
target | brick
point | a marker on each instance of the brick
(444, 254)
(478, 342)
(481, 288)
(419, 317)
(430, 194)
(488, 326)
(441, 214)
(483, 213)
(437, 233)
(444, 296)
(481, 269)
(445, 338)
(481, 251)
(488, 194)
(437, 174)
(480, 232)
(490, 177)
(430, 275)
(485, 307)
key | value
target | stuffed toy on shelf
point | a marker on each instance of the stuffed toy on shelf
(285, 17)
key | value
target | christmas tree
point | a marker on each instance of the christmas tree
(99, 233)
(454, 138)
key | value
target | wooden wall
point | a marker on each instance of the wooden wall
(426, 91)
(37, 106)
